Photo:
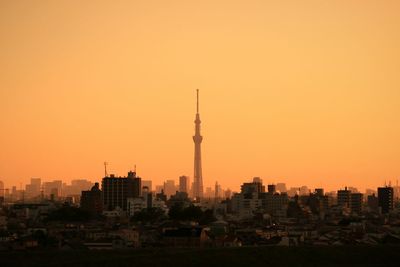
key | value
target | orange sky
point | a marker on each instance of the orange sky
(304, 92)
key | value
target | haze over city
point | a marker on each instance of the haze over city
(304, 93)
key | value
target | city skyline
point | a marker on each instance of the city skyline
(304, 94)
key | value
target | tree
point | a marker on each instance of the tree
(148, 215)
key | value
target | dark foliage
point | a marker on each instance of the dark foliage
(192, 213)
(149, 215)
(69, 214)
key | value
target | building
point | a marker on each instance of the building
(91, 200)
(148, 184)
(253, 198)
(304, 191)
(76, 187)
(281, 187)
(197, 138)
(244, 205)
(169, 188)
(53, 188)
(34, 188)
(385, 199)
(184, 184)
(116, 190)
(373, 203)
(271, 188)
(135, 204)
(185, 237)
(319, 192)
(343, 197)
(274, 203)
(217, 191)
(356, 202)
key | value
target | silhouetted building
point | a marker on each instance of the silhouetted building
(271, 188)
(385, 198)
(76, 187)
(356, 201)
(161, 196)
(274, 203)
(183, 183)
(343, 197)
(317, 201)
(169, 187)
(91, 200)
(217, 190)
(281, 187)
(33, 189)
(148, 184)
(53, 188)
(116, 190)
(319, 192)
(253, 198)
(373, 203)
(304, 191)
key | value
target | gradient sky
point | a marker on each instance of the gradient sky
(303, 92)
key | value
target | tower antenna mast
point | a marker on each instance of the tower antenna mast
(197, 100)
(105, 169)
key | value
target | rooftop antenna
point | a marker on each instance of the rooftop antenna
(134, 168)
(105, 169)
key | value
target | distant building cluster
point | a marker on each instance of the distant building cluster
(127, 213)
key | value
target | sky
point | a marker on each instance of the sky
(302, 92)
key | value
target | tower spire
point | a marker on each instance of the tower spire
(197, 90)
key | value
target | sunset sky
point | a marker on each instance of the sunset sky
(302, 92)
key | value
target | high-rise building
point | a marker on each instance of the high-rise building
(183, 183)
(33, 189)
(257, 180)
(159, 188)
(385, 198)
(356, 201)
(271, 188)
(91, 200)
(343, 197)
(304, 191)
(373, 203)
(169, 188)
(148, 184)
(116, 190)
(76, 187)
(281, 187)
(51, 188)
(217, 190)
(319, 192)
(197, 138)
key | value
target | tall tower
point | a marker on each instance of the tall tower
(197, 138)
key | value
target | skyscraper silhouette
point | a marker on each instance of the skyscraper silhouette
(197, 138)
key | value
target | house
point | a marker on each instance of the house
(185, 237)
